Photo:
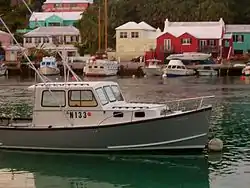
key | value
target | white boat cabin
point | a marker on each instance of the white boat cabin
(176, 64)
(48, 62)
(87, 104)
(153, 63)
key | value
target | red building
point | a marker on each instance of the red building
(66, 5)
(207, 37)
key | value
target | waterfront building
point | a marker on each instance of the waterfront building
(54, 38)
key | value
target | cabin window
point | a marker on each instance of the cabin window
(186, 41)
(117, 93)
(43, 63)
(183, 67)
(178, 67)
(173, 67)
(123, 35)
(82, 98)
(238, 38)
(117, 114)
(47, 63)
(101, 67)
(134, 34)
(139, 114)
(95, 67)
(102, 96)
(109, 93)
(55, 98)
(90, 67)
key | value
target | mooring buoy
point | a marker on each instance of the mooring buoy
(215, 144)
(164, 75)
(145, 76)
(133, 76)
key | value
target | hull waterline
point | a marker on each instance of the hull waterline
(185, 131)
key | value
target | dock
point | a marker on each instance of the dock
(126, 68)
(24, 70)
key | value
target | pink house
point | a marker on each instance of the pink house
(66, 5)
(5, 39)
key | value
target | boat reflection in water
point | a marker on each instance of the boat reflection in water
(42, 170)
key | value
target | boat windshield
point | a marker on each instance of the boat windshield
(117, 93)
(109, 93)
(103, 98)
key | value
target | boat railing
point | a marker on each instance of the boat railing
(188, 103)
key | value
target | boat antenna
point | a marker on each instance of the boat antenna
(34, 68)
(63, 59)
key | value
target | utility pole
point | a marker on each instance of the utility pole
(106, 24)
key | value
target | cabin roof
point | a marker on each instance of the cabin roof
(94, 84)
(42, 16)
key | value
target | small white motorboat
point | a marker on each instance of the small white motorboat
(154, 67)
(189, 56)
(48, 66)
(177, 68)
(3, 69)
(100, 65)
(207, 71)
(246, 70)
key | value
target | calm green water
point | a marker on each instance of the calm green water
(230, 121)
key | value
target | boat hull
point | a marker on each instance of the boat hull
(3, 71)
(187, 130)
(152, 71)
(207, 73)
(49, 71)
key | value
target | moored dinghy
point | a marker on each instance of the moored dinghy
(94, 116)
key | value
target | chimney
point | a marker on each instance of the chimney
(166, 25)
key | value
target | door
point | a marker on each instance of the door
(167, 44)
(202, 44)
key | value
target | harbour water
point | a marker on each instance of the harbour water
(230, 122)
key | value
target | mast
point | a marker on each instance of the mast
(106, 24)
(99, 28)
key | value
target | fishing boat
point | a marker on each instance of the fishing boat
(48, 66)
(207, 71)
(95, 117)
(3, 69)
(154, 67)
(177, 68)
(100, 65)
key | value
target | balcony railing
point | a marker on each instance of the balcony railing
(209, 49)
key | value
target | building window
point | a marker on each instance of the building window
(73, 38)
(238, 38)
(45, 40)
(123, 35)
(82, 98)
(38, 40)
(186, 41)
(55, 98)
(28, 40)
(211, 42)
(167, 44)
(57, 5)
(134, 34)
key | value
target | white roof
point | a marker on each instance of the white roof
(92, 84)
(52, 31)
(201, 30)
(3, 32)
(237, 28)
(41, 16)
(133, 25)
(68, 1)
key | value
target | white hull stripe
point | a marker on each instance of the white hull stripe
(157, 143)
